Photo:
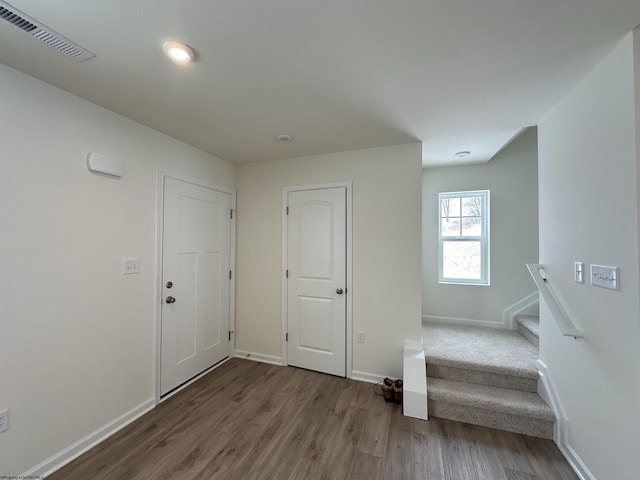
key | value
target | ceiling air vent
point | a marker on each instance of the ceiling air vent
(43, 33)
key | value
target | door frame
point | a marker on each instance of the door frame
(162, 174)
(285, 249)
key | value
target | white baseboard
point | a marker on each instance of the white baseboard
(561, 428)
(548, 394)
(575, 462)
(462, 321)
(526, 306)
(258, 357)
(76, 449)
(368, 377)
(273, 360)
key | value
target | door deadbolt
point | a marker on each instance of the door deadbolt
(170, 300)
(169, 284)
(339, 291)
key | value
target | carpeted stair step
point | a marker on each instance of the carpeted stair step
(529, 327)
(504, 409)
(469, 374)
(491, 357)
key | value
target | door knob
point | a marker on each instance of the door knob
(339, 291)
(170, 300)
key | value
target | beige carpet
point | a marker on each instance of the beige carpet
(485, 377)
(474, 348)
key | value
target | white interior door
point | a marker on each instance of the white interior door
(316, 285)
(195, 281)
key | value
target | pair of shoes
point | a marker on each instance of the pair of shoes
(397, 391)
(392, 391)
(387, 390)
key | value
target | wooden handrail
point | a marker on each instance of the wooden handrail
(563, 321)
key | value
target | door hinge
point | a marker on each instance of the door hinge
(287, 274)
(229, 335)
(286, 337)
(229, 274)
(287, 210)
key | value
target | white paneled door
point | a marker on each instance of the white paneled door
(316, 285)
(195, 281)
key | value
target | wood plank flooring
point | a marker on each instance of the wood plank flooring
(248, 420)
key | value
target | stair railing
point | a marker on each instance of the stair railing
(565, 324)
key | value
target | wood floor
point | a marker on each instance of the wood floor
(248, 420)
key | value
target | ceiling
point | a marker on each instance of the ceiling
(336, 75)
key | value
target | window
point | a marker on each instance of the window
(463, 239)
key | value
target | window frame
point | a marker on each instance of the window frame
(484, 239)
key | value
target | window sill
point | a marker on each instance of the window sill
(463, 282)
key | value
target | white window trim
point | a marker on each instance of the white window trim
(485, 247)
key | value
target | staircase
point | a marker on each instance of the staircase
(529, 327)
(487, 377)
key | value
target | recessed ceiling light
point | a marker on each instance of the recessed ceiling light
(462, 154)
(178, 52)
(285, 138)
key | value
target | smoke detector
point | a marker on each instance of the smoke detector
(24, 22)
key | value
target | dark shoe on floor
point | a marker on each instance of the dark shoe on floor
(397, 391)
(387, 389)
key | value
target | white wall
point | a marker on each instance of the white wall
(512, 177)
(386, 250)
(588, 179)
(77, 337)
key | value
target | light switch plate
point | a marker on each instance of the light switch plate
(578, 272)
(604, 276)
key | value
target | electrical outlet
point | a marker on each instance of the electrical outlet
(4, 420)
(130, 265)
(360, 336)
